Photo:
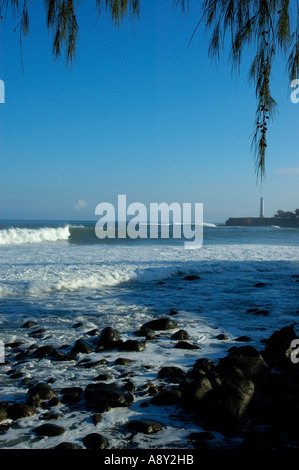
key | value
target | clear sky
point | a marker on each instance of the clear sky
(139, 113)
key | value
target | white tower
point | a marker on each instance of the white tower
(262, 208)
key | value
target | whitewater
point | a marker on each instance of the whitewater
(59, 274)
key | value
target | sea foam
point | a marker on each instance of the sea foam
(18, 236)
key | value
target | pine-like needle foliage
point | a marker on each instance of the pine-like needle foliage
(269, 28)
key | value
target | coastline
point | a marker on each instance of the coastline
(246, 399)
(261, 222)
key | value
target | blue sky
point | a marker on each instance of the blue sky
(139, 114)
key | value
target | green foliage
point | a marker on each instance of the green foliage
(287, 214)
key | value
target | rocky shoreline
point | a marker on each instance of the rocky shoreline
(250, 395)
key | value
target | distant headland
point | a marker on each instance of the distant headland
(281, 219)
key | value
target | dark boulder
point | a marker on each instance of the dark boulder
(49, 430)
(204, 364)
(29, 324)
(95, 441)
(39, 393)
(193, 392)
(171, 372)
(246, 358)
(44, 351)
(108, 338)
(224, 407)
(132, 345)
(20, 410)
(102, 396)
(123, 361)
(160, 324)
(167, 398)
(278, 345)
(222, 337)
(66, 446)
(186, 345)
(180, 335)
(191, 277)
(82, 346)
(145, 426)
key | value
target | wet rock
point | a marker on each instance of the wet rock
(92, 364)
(186, 345)
(171, 372)
(71, 398)
(93, 332)
(278, 345)
(20, 410)
(246, 358)
(82, 346)
(263, 312)
(191, 277)
(108, 338)
(95, 441)
(123, 361)
(66, 446)
(49, 430)
(243, 339)
(260, 284)
(173, 311)
(44, 351)
(180, 335)
(54, 402)
(39, 393)
(160, 324)
(194, 392)
(103, 396)
(103, 377)
(97, 418)
(145, 426)
(132, 345)
(148, 333)
(3, 411)
(167, 398)
(129, 386)
(14, 344)
(51, 415)
(29, 324)
(38, 333)
(222, 337)
(224, 407)
(205, 364)
(60, 356)
(77, 325)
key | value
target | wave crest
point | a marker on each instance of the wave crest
(19, 236)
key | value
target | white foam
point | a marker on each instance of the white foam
(18, 236)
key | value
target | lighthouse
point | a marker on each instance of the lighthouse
(262, 215)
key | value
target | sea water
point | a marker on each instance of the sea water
(59, 274)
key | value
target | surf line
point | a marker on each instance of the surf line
(159, 215)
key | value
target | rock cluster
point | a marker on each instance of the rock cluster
(250, 394)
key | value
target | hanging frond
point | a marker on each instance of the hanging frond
(266, 27)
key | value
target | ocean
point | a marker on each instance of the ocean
(59, 274)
